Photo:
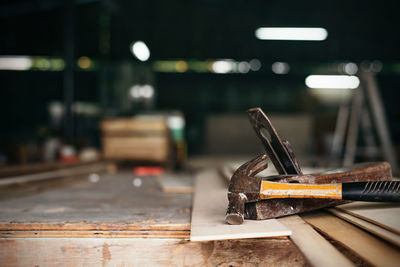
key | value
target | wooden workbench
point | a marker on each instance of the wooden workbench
(117, 219)
(112, 222)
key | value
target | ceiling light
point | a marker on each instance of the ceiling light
(255, 64)
(332, 81)
(84, 62)
(280, 68)
(223, 66)
(15, 62)
(291, 34)
(141, 91)
(350, 68)
(243, 67)
(140, 50)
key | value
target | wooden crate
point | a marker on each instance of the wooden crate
(139, 139)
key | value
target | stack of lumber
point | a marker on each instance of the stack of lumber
(362, 247)
(369, 232)
(138, 138)
(380, 219)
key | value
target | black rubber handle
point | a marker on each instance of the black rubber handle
(385, 191)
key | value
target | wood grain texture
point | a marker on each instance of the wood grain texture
(110, 206)
(183, 234)
(370, 227)
(373, 250)
(208, 214)
(147, 252)
(317, 250)
(386, 215)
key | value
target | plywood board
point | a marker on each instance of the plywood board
(386, 215)
(370, 227)
(373, 250)
(208, 214)
(317, 250)
(115, 205)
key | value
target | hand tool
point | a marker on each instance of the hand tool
(383, 191)
(250, 197)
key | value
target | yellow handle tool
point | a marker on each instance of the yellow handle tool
(270, 190)
(361, 191)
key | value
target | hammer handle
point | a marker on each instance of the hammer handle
(372, 191)
(361, 191)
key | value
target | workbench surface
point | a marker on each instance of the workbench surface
(117, 219)
(73, 221)
(112, 203)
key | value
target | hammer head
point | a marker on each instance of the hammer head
(245, 197)
(244, 187)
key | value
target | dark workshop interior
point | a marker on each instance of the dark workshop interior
(110, 107)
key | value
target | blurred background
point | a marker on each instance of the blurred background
(162, 81)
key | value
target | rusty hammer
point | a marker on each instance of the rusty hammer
(363, 182)
(257, 198)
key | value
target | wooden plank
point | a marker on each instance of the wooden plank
(317, 250)
(370, 227)
(95, 234)
(374, 251)
(113, 203)
(386, 215)
(176, 183)
(91, 226)
(208, 214)
(147, 252)
(30, 168)
(72, 171)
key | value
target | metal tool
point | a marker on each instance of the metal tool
(250, 196)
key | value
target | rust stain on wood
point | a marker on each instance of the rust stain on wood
(106, 254)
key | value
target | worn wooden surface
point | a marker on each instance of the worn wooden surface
(209, 209)
(104, 208)
(127, 225)
(147, 252)
(370, 227)
(373, 250)
(317, 250)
